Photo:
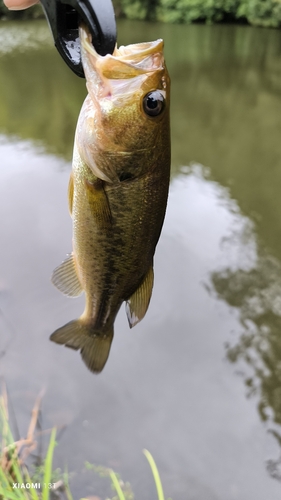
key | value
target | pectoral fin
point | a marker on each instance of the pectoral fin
(99, 203)
(138, 303)
(65, 278)
(70, 193)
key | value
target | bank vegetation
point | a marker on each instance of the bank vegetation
(265, 13)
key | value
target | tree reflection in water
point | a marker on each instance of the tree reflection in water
(256, 293)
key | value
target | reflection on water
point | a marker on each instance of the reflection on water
(256, 293)
(221, 239)
(40, 96)
(168, 375)
(18, 39)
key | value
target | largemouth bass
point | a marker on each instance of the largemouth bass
(117, 192)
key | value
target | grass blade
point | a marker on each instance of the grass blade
(6, 429)
(32, 491)
(17, 472)
(66, 485)
(155, 473)
(116, 485)
(6, 490)
(8, 495)
(3, 479)
(48, 466)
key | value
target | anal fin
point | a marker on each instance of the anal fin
(65, 278)
(137, 304)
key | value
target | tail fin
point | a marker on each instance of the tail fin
(94, 346)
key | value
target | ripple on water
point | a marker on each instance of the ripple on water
(33, 36)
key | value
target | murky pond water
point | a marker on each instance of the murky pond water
(198, 381)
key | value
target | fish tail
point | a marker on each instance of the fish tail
(94, 345)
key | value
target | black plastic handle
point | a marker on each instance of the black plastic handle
(64, 17)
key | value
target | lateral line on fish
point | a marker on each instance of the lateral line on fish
(127, 153)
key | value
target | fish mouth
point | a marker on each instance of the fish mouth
(124, 70)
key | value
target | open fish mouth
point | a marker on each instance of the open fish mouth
(126, 61)
(124, 70)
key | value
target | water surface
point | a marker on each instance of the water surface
(198, 381)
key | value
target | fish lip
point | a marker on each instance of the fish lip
(127, 53)
(125, 62)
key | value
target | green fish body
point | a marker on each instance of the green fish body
(117, 193)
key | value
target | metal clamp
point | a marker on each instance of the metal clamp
(64, 17)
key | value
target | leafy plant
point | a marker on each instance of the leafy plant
(188, 11)
(13, 469)
(265, 13)
(259, 12)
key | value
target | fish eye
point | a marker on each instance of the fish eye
(153, 103)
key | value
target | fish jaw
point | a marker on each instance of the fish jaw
(119, 74)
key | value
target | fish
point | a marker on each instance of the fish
(117, 193)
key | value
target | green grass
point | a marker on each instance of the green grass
(13, 468)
